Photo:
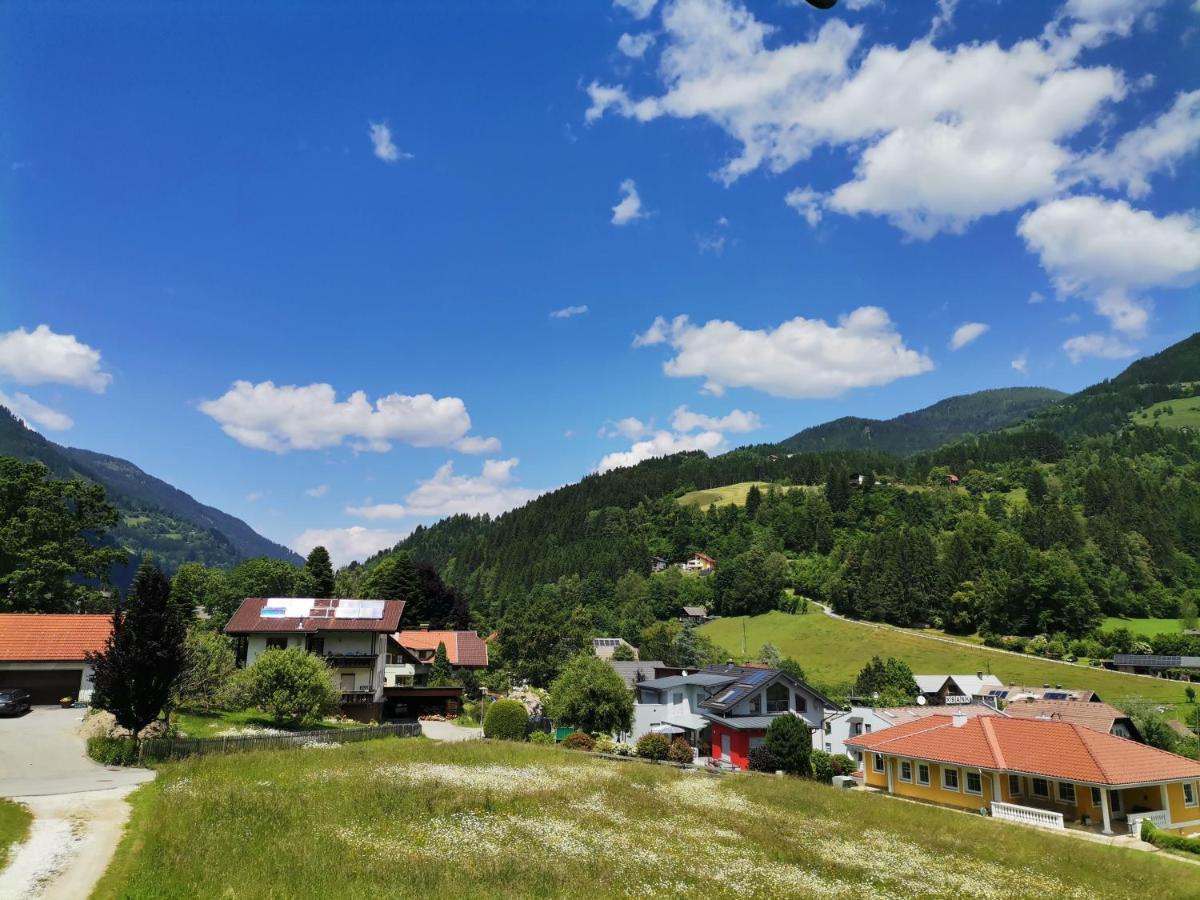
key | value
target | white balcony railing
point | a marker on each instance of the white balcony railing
(1027, 815)
(1158, 818)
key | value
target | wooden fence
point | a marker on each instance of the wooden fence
(178, 748)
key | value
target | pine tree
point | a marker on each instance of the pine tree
(837, 488)
(144, 656)
(440, 673)
(754, 499)
(320, 571)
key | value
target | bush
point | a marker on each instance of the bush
(542, 737)
(843, 764)
(680, 751)
(579, 740)
(625, 750)
(791, 741)
(293, 687)
(506, 720)
(605, 745)
(763, 760)
(822, 765)
(112, 751)
(1165, 841)
(590, 695)
(208, 664)
(653, 746)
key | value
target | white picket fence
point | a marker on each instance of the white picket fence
(1027, 815)
(1158, 818)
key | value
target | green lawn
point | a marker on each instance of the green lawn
(1145, 627)
(730, 493)
(1187, 414)
(210, 724)
(832, 652)
(14, 825)
(402, 818)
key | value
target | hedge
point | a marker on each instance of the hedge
(1165, 841)
(506, 720)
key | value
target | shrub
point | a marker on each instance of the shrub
(625, 750)
(680, 751)
(763, 760)
(605, 745)
(822, 765)
(791, 741)
(506, 720)
(112, 751)
(843, 764)
(1165, 841)
(542, 737)
(293, 687)
(590, 695)
(653, 746)
(580, 740)
(208, 664)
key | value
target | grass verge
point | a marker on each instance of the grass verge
(210, 724)
(15, 820)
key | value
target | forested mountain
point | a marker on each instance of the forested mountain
(154, 517)
(926, 429)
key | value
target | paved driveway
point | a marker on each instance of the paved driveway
(449, 732)
(40, 753)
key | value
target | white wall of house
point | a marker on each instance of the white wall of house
(365, 677)
(682, 700)
(859, 720)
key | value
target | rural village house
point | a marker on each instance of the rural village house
(843, 725)
(46, 653)
(410, 656)
(605, 647)
(1098, 716)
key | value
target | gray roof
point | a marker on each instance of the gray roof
(747, 723)
(699, 611)
(1155, 661)
(629, 670)
(704, 679)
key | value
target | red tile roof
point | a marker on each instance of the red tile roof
(248, 619)
(44, 637)
(463, 648)
(1058, 750)
(1099, 716)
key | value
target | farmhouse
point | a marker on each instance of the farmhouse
(1151, 663)
(605, 647)
(47, 653)
(410, 655)
(949, 690)
(1034, 771)
(693, 615)
(699, 563)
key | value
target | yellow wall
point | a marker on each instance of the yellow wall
(933, 792)
(1181, 813)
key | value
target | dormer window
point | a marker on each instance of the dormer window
(778, 698)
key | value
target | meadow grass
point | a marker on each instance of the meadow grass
(731, 494)
(14, 825)
(1186, 414)
(832, 651)
(403, 818)
(1144, 627)
(198, 724)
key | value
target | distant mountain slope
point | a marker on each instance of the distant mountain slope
(925, 429)
(156, 517)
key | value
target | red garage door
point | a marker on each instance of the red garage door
(45, 685)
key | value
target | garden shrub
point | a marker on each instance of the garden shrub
(293, 687)
(605, 745)
(542, 737)
(1166, 841)
(791, 741)
(112, 751)
(579, 740)
(506, 720)
(763, 760)
(822, 765)
(653, 746)
(680, 751)
(843, 764)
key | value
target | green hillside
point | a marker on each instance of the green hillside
(1183, 413)
(931, 427)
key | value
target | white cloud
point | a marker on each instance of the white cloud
(1153, 148)
(447, 494)
(382, 144)
(42, 356)
(25, 407)
(801, 358)
(630, 427)
(663, 443)
(737, 421)
(1021, 363)
(629, 209)
(319, 491)
(639, 9)
(474, 444)
(940, 137)
(1109, 252)
(966, 333)
(635, 45)
(254, 496)
(1036, 297)
(944, 18)
(568, 311)
(346, 545)
(1101, 345)
(310, 417)
(808, 203)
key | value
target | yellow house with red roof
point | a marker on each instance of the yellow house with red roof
(1034, 771)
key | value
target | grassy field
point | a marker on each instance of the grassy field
(210, 724)
(723, 496)
(1145, 627)
(832, 651)
(1187, 414)
(407, 818)
(14, 825)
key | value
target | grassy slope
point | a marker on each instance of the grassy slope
(209, 724)
(416, 819)
(832, 652)
(14, 825)
(1145, 627)
(722, 496)
(1187, 414)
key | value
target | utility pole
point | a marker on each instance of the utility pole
(743, 639)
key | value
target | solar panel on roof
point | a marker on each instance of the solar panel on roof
(1055, 695)
(1000, 694)
(757, 677)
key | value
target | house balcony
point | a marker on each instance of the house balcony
(354, 698)
(350, 660)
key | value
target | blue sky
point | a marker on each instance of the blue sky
(221, 223)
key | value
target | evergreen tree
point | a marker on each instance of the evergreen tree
(320, 571)
(837, 488)
(440, 673)
(754, 499)
(790, 741)
(137, 670)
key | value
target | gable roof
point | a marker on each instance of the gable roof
(630, 670)
(1058, 750)
(971, 685)
(52, 637)
(463, 648)
(1098, 716)
(748, 680)
(898, 715)
(697, 611)
(322, 616)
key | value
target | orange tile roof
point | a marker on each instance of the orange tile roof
(47, 637)
(1099, 716)
(463, 648)
(1060, 750)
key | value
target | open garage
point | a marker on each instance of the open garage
(46, 653)
(44, 685)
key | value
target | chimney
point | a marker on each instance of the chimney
(1045, 685)
(959, 720)
(424, 626)
(979, 675)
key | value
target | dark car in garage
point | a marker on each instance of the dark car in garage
(14, 701)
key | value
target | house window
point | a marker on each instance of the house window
(1189, 793)
(1066, 792)
(1096, 797)
(276, 643)
(316, 645)
(677, 698)
(828, 747)
(922, 773)
(828, 728)
(974, 783)
(905, 770)
(801, 704)
(867, 726)
(878, 763)
(756, 704)
(777, 698)
(1041, 788)
(950, 779)
(1014, 785)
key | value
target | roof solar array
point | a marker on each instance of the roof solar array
(758, 677)
(1056, 695)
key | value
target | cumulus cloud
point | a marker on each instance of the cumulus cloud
(345, 545)
(1036, 297)
(1021, 363)
(42, 356)
(1109, 252)
(447, 494)
(639, 9)
(568, 312)
(629, 427)
(474, 444)
(629, 209)
(635, 45)
(1153, 148)
(310, 417)
(29, 410)
(1104, 346)
(663, 443)
(966, 333)
(319, 491)
(382, 144)
(799, 359)
(808, 203)
(737, 421)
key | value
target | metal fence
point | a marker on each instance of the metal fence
(177, 748)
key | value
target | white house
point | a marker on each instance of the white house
(46, 653)
(670, 705)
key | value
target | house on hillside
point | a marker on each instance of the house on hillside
(658, 564)
(699, 564)
(634, 672)
(1034, 771)
(410, 656)
(349, 635)
(605, 647)
(671, 705)
(1152, 663)
(843, 725)
(693, 615)
(950, 690)
(1011, 693)
(741, 710)
(1098, 716)
(46, 653)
